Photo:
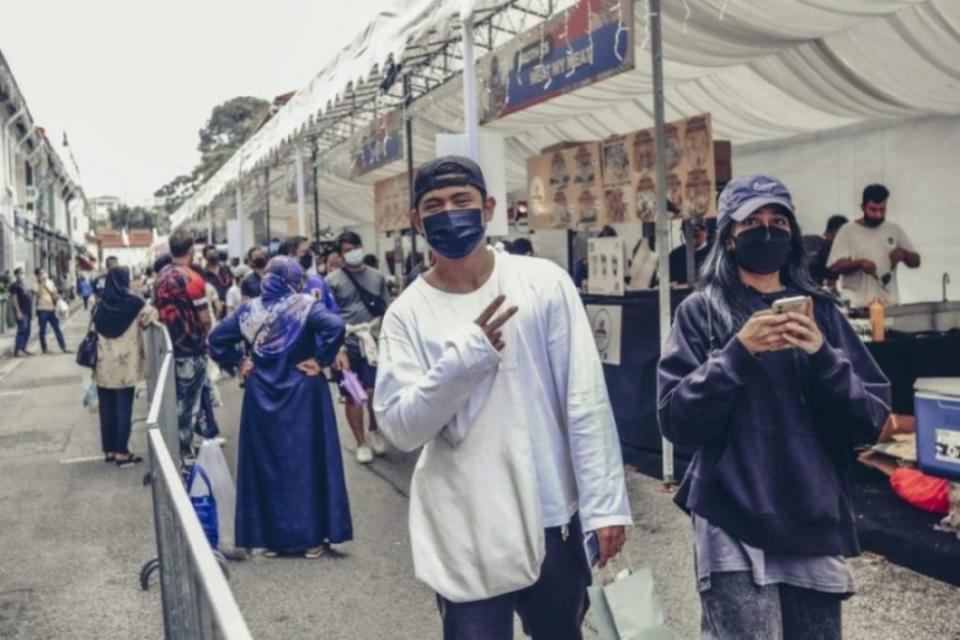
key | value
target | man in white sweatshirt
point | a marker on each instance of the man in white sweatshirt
(488, 362)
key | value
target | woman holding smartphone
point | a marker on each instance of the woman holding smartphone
(773, 403)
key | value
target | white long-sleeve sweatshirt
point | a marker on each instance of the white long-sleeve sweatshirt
(524, 438)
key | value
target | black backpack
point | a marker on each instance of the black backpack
(376, 305)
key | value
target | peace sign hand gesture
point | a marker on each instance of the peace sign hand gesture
(493, 329)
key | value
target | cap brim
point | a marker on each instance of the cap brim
(743, 212)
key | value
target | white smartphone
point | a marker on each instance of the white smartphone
(592, 548)
(796, 304)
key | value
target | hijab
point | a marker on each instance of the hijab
(118, 306)
(274, 322)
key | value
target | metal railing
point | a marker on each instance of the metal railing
(197, 601)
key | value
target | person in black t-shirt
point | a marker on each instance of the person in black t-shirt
(23, 312)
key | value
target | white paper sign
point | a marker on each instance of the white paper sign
(492, 160)
(606, 265)
(606, 322)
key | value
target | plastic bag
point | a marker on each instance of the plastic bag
(63, 308)
(205, 505)
(90, 398)
(214, 463)
(922, 491)
(628, 608)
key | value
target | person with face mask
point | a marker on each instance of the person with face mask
(487, 361)
(291, 494)
(257, 261)
(362, 296)
(866, 254)
(219, 276)
(22, 312)
(47, 296)
(181, 301)
(773, 403)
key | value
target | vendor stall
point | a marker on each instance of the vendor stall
(608, 114)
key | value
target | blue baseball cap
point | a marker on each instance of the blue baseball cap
(745, 194)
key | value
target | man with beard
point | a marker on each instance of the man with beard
(866, 254)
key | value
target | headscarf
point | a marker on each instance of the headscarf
(118, 306)
(275, 321)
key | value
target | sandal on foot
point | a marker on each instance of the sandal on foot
(317, 552)
(109, 457)
(130, 460)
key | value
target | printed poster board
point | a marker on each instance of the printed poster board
(380, 145)
(629, 172)
(391, 204)
(588, 42)
(606, 266)
(566, 188)
(606, 322)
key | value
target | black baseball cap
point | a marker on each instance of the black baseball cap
(448, 171)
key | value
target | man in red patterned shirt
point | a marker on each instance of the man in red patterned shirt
(181, 301)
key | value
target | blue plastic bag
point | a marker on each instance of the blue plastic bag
(205, 506)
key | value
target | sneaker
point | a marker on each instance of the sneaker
(377, 443)
(364, 455)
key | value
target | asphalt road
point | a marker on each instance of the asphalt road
(74, 533)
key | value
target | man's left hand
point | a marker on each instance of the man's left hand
(610, 540)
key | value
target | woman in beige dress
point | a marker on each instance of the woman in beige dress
(119, 318)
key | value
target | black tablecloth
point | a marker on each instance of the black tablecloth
(905, 357)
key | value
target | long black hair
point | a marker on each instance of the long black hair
(725, 292)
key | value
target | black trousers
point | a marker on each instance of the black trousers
(116, 415)
(552, 608)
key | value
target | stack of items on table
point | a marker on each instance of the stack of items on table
(930, 441)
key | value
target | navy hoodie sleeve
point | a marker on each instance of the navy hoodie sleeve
(845, 372)
(697, 389)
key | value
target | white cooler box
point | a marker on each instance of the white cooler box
(937, 408)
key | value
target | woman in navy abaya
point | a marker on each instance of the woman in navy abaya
(291, 495)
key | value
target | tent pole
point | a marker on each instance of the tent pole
(240, 225)
(408, 134)
(469, 89)
(663, 219)
(301, 195)
(316, 196)
(266, 180)
(209, 212)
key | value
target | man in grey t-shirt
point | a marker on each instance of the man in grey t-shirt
(351, 356)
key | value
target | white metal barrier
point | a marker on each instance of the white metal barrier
(197, 601)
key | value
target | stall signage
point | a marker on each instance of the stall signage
(391, 204)
(591, 41)
(380, 145)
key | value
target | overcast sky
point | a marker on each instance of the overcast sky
(132, 81)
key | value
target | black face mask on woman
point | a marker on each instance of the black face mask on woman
(763, 250)
(306, 260)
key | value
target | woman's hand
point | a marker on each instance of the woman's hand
(763, 332)
(311, 368)
(245, 369)
(803, 333)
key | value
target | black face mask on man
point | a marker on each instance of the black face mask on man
(763, 250)
(260, 262)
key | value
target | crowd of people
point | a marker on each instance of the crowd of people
(487, 362)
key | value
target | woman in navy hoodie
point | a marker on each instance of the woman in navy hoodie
(773, 404)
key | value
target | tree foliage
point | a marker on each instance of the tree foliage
(137, 217)
(230, 123)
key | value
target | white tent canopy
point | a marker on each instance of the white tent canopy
(765, 71)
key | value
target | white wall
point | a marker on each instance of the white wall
(919, 161)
